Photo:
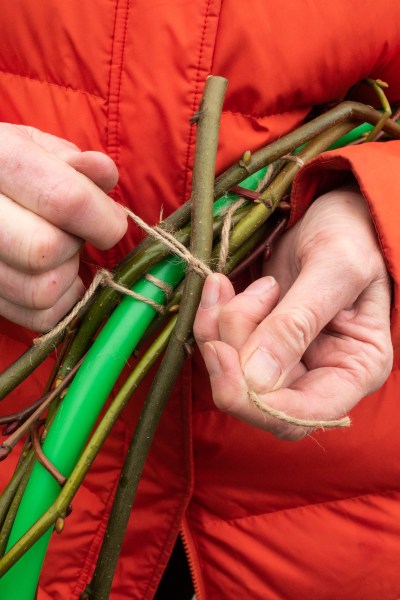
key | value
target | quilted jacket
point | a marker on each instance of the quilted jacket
(260, 518)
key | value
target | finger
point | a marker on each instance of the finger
(240, 316)
(97, 166)
(31, 244)
(39, 291)
(280, 341)
(217, 291)
(42, 320)
(319, 397)
(222, 315)
(47, 186)
(231, 394)
(362, 334)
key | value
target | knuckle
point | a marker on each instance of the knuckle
(369, 370)
(229, 315)
(47, 289)
(295, 330)
(63, 198)
(219, 403)
(382, 367)
(200, 331)
(47, 319)
(43, 250)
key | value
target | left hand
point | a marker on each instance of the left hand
(315, 344)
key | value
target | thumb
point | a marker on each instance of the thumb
(278, 344)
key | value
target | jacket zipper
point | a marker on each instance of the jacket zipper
(191, 556)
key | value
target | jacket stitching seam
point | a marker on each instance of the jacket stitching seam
(195, 97)
(67, 88)
(215, 38)
(114, 98)
(115, 90)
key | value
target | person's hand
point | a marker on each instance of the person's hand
(52, 199)
(313, 345)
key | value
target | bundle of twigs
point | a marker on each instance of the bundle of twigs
(253, 226)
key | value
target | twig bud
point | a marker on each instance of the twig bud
(11, 427)
(4, 452)
(59, 525)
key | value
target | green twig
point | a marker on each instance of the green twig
(378, 86)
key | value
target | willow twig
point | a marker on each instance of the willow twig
(201, 244)
(42, 458)
(346, 111)
(264, 248)
(14, 505)
(12, 486)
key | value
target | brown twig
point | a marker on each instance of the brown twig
(8, 445)
(265, 247)
(42, 458)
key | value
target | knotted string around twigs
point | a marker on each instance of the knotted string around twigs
(226, 228)
(173, 244)
(104, 277)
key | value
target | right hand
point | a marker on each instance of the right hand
(53, 197)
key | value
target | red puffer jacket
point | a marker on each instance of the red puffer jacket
(261, 518)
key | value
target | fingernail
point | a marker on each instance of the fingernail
(261, 371)
(211, 292)
(261, 286)
(211, 359)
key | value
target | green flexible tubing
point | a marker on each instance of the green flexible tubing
(83, 402)
(76, 417)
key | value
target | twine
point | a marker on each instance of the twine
(197, 265)
(294, 158)
(226, 228)
(163, 285)
(285, 418)
(104, 277)
(109, 281)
